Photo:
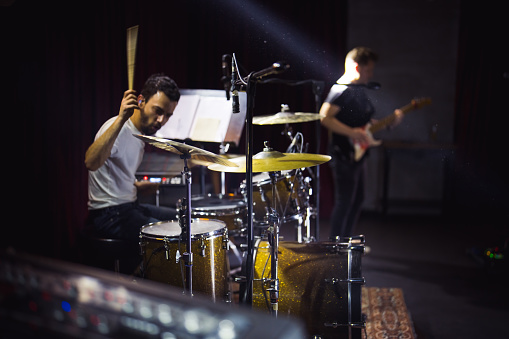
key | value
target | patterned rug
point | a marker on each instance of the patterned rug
(386, 314)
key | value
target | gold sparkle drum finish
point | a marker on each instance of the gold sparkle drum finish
(232, 209)
(319, 282)
(162, 248)
(291, 198)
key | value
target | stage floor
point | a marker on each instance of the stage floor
(448, 292)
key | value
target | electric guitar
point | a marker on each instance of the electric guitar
(360, 149)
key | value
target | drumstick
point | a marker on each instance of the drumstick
(132, 39)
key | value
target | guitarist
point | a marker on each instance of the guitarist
(345, 113)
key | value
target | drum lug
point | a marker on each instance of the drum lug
(352, 325)
(166, 248)
(332, 281)
(202, 247)
(335, 281)
(273, 217)
(142, 245)
(226, 241)
(240, 279)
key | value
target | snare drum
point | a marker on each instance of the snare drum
(162, 248)
(231, 209)
(319, 282)
(291, 197)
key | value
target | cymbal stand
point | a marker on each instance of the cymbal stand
(296, 147)
(273, 238)
(317, 88)
(188, 255)
(223, 148)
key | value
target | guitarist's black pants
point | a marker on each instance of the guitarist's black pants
(349, 179)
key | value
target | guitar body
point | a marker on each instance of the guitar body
(360, 149)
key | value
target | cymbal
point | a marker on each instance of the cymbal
(285, 118)
(180, 148)
(198, 162)
(272, 161)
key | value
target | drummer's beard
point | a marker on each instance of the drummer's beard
(147, 127)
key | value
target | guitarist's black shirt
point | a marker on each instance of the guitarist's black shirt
(356, 110)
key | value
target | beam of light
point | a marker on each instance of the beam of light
(276, 31)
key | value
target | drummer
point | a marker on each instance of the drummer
(114, 156)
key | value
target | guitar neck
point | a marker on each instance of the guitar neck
(383, 123)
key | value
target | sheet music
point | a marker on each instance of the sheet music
(205, 115)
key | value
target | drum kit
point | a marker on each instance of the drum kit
(316, 281)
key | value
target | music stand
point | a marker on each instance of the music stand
(205, 115)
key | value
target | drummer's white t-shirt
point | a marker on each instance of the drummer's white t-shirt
(113, 183)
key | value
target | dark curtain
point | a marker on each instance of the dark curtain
(64, 72)
(481, 181)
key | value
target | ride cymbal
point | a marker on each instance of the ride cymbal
(272, 161)
(180, 149)
(285, 118)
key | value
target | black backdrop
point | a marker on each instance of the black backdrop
(64, 71)
(67, 69)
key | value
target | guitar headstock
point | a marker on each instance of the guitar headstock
(420, 102)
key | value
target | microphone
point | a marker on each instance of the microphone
(235, 92)
(276, 68)
(225, 79)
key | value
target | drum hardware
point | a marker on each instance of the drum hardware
(290, 199)
(335, 281)
(223, 148)
(166, 248)
(273, 236)
(340, 243)
(186, 153)
(272, 162)
(226, 240)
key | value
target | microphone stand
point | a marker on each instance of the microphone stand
(188, 255)
(250, 87)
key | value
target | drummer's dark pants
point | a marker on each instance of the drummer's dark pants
(125, 222)
(349, 180)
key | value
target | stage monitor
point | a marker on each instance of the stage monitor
(45, 298)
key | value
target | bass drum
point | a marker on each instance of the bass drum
(162, 248)
(319, 282)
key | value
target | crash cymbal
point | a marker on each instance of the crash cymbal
(180, 148)
(272, 161)
(285, 118)
(198, 162)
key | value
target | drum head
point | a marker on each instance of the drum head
(264, 178)
(170, 229)
(216, 202)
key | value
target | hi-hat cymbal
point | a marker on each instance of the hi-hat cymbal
(180, 148)
(272, 161)
(285, 118)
